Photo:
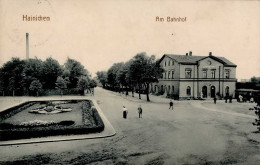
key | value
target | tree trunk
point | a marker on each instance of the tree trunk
(139, 91)
(126, 92)
(147, 92)
(37, 93)
(13, 93)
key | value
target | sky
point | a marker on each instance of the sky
(100, 33)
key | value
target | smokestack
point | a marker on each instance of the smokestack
(210, 53)
(190, 53)
(27, 46)
(186, 54)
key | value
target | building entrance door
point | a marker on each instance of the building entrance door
(204, 91)
(213, 91)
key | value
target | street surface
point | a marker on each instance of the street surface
(194, 132)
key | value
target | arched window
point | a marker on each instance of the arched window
(169, 73)
(162, 88)
(172, 89)
(165, 63)
(172, 74)
(188, 91)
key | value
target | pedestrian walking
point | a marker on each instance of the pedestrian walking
(125, 111)
(171, 105)
(215, 100)
(140, 111)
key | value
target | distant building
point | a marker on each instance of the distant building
(188, 76)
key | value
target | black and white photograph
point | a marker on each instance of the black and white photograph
(130, 82)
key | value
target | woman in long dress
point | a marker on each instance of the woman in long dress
(124, 112)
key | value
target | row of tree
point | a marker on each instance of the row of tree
(137, 73)
(24, 77)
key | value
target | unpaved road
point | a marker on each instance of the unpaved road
(189, 134)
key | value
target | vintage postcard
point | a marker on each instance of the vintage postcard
(129, 82)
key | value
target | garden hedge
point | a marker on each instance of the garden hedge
(13, 133)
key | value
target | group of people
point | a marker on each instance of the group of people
(140, 110)
(125, 112)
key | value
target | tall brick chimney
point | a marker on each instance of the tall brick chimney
(210, 53)
(190, 53)
(27, 46)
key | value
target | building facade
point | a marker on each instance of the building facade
(188, 76)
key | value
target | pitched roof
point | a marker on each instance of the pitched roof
(186, 59)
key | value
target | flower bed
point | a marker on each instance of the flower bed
(59, 124)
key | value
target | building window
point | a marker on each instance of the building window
(204, 73)
(187, 73)
(165, 63)
(213, 73)
(227, 73)
(172, 74)
(169, 73)
(172, 89)
(169, 63)
(172, 62)
(188, 91)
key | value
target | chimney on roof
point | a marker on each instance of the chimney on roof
(210, 53)
(190, 53)
(187, 54)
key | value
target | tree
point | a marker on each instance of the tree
(82, 84)
(112, 75)
(92, 84)
(102, 77)
(12, 76)
(51, 69)
(257, 112)
(32, 71)
(74, 70)
(61, 84)
(255, 79)
(145, 70)
(35, 86)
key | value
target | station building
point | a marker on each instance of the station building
(190, 77)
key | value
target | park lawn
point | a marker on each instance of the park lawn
(18, 123)
(24, 116)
